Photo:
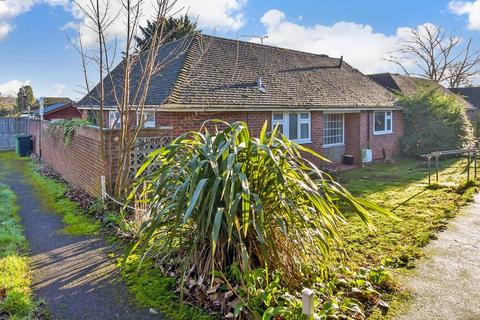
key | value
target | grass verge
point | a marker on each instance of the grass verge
(403, 189)
(51, 195)
(16, 301)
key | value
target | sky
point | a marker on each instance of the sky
(35, 50)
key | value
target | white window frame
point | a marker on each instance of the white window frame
(286, 125)
(113, 115)
(147, 124)
(388, 115)
(338, 144)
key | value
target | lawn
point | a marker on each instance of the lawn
(16, 301)
(402, 188)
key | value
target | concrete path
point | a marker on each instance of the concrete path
(72, 274)
(446, 284)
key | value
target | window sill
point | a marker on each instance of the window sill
(381, 133)
(302, 141)
(326, 146)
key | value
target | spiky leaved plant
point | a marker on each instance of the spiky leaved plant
(228, 197)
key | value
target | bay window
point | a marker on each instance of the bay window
(383, 122)
(333, 129)
(295, 125)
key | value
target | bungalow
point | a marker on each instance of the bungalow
(316, 100)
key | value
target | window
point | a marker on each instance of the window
(148, 119)
(295, 125)
(383, 122)
(114, 120)
(333, 129)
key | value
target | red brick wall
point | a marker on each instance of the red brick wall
(388, 144)
(69, 113)
(79, 163)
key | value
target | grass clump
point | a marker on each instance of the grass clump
(16, 300)
(155, 290)
(51, 194)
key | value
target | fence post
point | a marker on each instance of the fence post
(104, 187)
(308, 303)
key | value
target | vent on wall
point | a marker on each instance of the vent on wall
(260, 85)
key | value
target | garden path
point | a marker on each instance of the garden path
(446, 282)
(73, 274)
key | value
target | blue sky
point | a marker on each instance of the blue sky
(34, 48)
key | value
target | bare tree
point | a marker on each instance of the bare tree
(432, 53)
(129, 95)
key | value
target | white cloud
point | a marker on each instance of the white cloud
(212, 15)
(469, 8)
(58, 89)
(9, 9)
(360, 45)
(11, 87)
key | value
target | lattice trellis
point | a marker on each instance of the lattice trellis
(142, 148)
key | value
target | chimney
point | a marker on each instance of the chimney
(341, 63)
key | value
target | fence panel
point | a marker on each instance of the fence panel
(9, 127)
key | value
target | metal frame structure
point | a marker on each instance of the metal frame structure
(468, 152)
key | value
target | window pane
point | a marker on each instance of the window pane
(280, 128)
(304, 131)
(304, 116)
(278, 116)
(333, 129)
(389, 124)
(293, 126)
(379, 121)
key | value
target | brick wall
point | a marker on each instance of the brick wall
(80, 162)
(387, 145)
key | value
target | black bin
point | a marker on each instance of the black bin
(24, 145)
(348, 159)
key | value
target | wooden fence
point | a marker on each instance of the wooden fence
(9, 128)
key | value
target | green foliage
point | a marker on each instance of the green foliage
(169, 30)
(232, 198)
(153, 289)
(7, 106)
(68, 128)
(15, 295)
(25, 98)
(434, 121)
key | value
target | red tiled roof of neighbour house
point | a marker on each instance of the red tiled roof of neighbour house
(211, 71)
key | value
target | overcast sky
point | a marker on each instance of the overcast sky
(34, 48)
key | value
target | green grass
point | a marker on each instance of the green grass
(402, 188)
(154, 290)
(15, 294)
(51, 195)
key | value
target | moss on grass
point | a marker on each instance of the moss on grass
(15, 294)
(154, 290)
(402, 188)
(51, 195)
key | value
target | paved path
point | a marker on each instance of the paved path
(73, 274)
(446, 284)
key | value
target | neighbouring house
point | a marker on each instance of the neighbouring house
(56, 108)
(471, 94)
(408, 85)
(316, 100)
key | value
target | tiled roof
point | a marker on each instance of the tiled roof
(408, 85)
(211, 71)
(54, 107)
(472, 94)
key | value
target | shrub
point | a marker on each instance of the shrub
(434, 121)
(68, 128)
(228, 198)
